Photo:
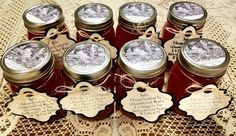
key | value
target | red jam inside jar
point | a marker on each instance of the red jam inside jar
(182, 15)
(134, 19)
(89, 62)
(94, 18)
(40, 18)
(140, 60)
(200, 62)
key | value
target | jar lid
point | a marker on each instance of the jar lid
(187, 13)
(93, 17)
(26, 62)
(137, 15)
(204, 57)
(42, 17)
(86, 61)
(143, 58)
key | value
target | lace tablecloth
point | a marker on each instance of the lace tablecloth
(220, 26)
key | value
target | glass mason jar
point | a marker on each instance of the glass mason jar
(94, 18)
(180, 16)
(200, 62)
(89, 62)
(139, 60)
(134, 19)
(40, 18)
(31, 64)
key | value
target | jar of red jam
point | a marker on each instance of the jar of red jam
(89, 62)
(200, 62)
(31, 64)
(182, 15)
(139, 60)
(94, 18)
(40, 18)
(134, 19)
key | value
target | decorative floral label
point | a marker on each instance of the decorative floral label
(173, 46)
(151, 34)
(137, 12)
(87, 99)
(149, 104)
(204, 102)
(59, 44)
(32, 104)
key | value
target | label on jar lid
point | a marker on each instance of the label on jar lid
(27, 56)
(94, 13)
(43, 14)
(142, 54)
(205, 53)
(31, 104)
(137, 12)
(148, 104)
(173, 46)
(87, 57)
(204, 102)
(187, 11)
(87, 99)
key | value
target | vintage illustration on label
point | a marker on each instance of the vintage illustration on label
(32, 104)
(59, 44)
(26, 57)
(137, 12)
(94, 13)
(173, 46)
(87, 99)
(189, 11)
(44, 14)
(204, 102)
(149, 104)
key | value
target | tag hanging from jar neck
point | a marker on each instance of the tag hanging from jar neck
(151, 34)
(99, 39)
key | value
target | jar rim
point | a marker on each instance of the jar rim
(35, 27)
(203, 70)
(93, 26)
(198, 22)
(31, 74)
(91, 73)
(140, 25)
(150, 69)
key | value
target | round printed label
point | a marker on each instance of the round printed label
(43, 14)
(26, 56)
(188, 11)
(205, 53)
(86, 58)
(143, 54)
(137, 12)
(94, 13)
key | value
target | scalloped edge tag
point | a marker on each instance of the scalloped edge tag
(34, 105)
(205, 102)
(149, 104)
(87, 99)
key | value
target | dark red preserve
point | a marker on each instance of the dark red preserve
(89, 62)
(200, 62)
(94, 18)
(40, 18)
(181, 15)
(134, 19)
